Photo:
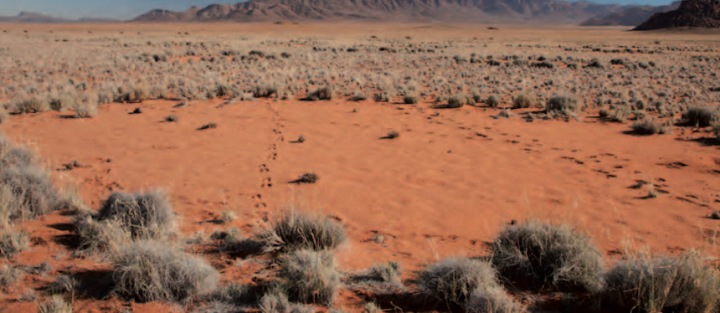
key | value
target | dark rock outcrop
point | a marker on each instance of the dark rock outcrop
(691, 13)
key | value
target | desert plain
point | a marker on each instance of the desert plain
(422, 141)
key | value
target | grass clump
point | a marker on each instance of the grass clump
(86, 110)
(276, 301)
(9, 276)
(32, 105)
(411, 99)
(13, 241)
(27, 192)
(454, 279)
(310, 276)
(620, 114)
(645, 283)
(524, 101)
(383, 278)
(153, 271)
(536, 255)
(55, 304)
(492, 101)
(492, 299)
(562, 104)
(458, 101)
(322, 93)
(264, 90)
(701, 116)
(144, 214)
(294, 231)
(648, 127)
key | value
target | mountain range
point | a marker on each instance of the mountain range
(455, 11)
(458, 11)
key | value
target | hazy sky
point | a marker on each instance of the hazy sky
(125, 9)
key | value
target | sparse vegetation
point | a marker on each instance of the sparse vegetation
(524, 101)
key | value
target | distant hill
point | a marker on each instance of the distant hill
(30, 17)
(463, 11)
(632, 15)
(690, 13)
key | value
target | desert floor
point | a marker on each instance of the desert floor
(444, 187)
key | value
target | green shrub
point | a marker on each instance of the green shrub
(537, 255)
(152, 271)
(310, 276)
(683, 283)
(301, 231)
(454, 279)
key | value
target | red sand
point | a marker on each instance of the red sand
(444, 187)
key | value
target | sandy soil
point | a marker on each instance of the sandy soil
(444, 187)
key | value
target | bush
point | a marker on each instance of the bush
(562, 104)
(143, 214)
(152, 271)
(663, 284)
(648, 127)
(300, 231)
(86, 110)
(9, 276)
(100, 236)
(310, 276)
(701, 116)
(411, 99)
(458, 101)
(276, 301)
(32, 105)
(12, 155)
(27, 192)
(264, 90)
(454, 279)
(492, 101)
(620, 115)
(56, 304)
(523, 101)
(492, 299)
(323, 93)
(539, 255)
(12, 241)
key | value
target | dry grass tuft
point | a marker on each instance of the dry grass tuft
(645, 283)
(294, 231)
(537, 255)
(310, 276)
(152, 271)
